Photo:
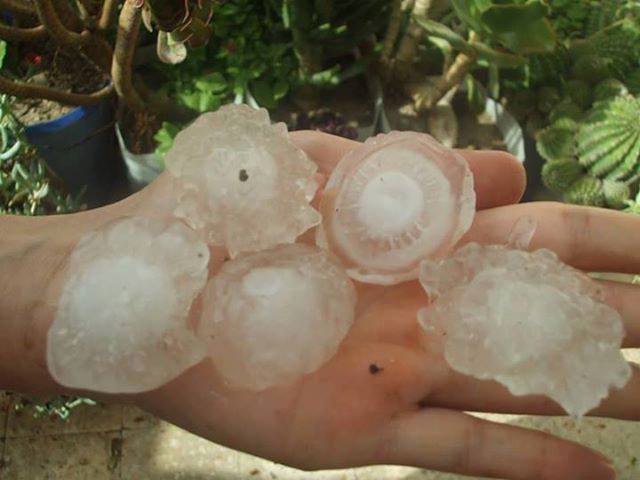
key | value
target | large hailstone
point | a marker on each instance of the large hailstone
(397, 199)
(241, 182)
(122, 320)
(271, 317)
(527, 320)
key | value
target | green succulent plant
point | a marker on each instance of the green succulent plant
(611, 52)
(608, 88)
(587, 190)
(596, 160)
(567, 108)
(616, 194)
(580, 92)
(558, 141)
(559, 175)
(608, 142)
(633, 82)
(633, 206)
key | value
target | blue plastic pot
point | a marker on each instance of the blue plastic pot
(80, 147)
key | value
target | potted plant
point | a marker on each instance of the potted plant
(80, 144)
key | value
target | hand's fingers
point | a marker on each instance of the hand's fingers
(462, 392)
(625, 298)
(499, 178)
(592, 239)
(452, 441)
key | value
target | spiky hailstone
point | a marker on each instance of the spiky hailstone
(121, 324)
(394, 201)
(241, 182)
(526, 320)
(271, 317)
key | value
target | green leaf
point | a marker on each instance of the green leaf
(212, 82)
(264, 94)
(280, 89)
(164, 137)
(3, 52)
(522, 27)
(470, 11)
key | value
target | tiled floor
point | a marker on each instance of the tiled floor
(123, 443)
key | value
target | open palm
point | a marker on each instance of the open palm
(387, 397)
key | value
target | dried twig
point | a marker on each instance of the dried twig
(50, 19)
(68, 15)
(391, 36)
(121, 67)
(107, 14)
(14, 34)
(19, 7)
(26, 90)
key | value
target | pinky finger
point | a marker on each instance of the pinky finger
(456, 442)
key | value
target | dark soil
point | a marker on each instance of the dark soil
(65, 70)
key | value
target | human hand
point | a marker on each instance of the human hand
(387, 397)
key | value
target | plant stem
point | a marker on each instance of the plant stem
(427, 98)
(121, 67)
(107, 14)
(19, 7)
(68, 15)
(14, 34)
(59, 32)
(26, 90)
(393, 29)
(408, 49)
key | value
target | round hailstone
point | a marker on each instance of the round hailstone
(241, 182)
(122, 320)
(528, 321)
(271, 317)
(397, 199)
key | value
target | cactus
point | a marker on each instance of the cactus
(616, 194)
(602, 14)
(550, 67)
(587, 190)
(608, 142)
(633, 82)
(591, 68)
(608, 88)
(557, 141)
(566, 109)
(548, 97)
(617, 47)
(559, 175)
(580, 93)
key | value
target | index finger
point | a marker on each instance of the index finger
(499, 178)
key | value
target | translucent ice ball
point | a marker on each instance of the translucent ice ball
(526, 320)
(394, 201)
(121, 324)
(241, 182)
(271, 317)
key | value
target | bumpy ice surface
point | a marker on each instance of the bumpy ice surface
(121, 323)
(526, 320)
(271, 317)
(241, 182)
(394, 201)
